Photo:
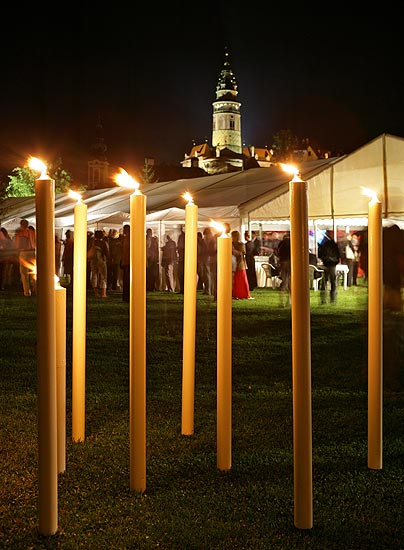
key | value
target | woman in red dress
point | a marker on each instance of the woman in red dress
(240, 282)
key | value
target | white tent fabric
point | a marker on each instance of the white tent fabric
(256, 195)
(336, 191)
(218, 197)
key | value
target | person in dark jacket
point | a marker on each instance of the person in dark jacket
(329, 254)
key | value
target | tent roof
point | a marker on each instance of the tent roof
(216, 196)
(258, 194)
(336, 192)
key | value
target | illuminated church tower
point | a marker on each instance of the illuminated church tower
(227, 153)
(226, 111)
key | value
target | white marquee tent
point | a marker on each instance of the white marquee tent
(252, 196)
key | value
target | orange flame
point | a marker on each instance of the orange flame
(187, 196)
(370, 193)
(37, 164)
(218, 227)
(289, 168)
(125, 180)
(74, 195)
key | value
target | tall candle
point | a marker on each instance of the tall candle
(189, 329)
(137, 343)
(60, 305)
(224, 351)
(375, 335)
(301, 354)
(46, 354)
(79, 321)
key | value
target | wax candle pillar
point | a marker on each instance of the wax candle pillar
(46, 354)
(137, 342)
(79, 321)
(60, 305)
(224, 352)
(189, 328)
(375, 336)
(301, 355)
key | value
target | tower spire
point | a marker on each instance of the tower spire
(226, 111)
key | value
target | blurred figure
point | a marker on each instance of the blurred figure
(58, 255)
(250, 261)
(125, 263)
(283, 253)
(68, 254)
(181, 259)
(329, 254)
(351, 260)
(168, 259)
(6, 257)
(201, 264)
(240, 281)
(393, 267)
(24, 241)
(99, 254)
(152, 260)
(211, 261)
(115, 254)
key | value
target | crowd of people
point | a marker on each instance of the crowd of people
(108, 261)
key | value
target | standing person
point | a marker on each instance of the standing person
(211, 261)
(328, 252)
(6, 264)
(168, 259)
(58, 255)
(115, 253)
(240, 281)
(257, 243)
(283, 254)
(68, 254)
(125, 263)
(99, 254)
(250, 260)
(349, 259)
(152, 259)
(181, 259)
(24, 241)
(202, 264)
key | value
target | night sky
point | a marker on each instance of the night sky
(151, 77)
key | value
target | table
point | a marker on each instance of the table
(262, 279)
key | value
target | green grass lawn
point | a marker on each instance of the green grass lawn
(189, 503)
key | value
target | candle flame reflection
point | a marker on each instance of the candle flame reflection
(30, 265)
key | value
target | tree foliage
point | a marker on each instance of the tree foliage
(284, 145)
(148, 174)
(22, 180)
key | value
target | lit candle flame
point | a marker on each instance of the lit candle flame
(37, 164)
(370, 193)
(187, 196)
(74, 195)
(125, 180)
(290, 169)
(218, 227)
(30, 265)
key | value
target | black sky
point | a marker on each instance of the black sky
(151, 76)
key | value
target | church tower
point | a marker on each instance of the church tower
(98, 167)
(226, 112)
